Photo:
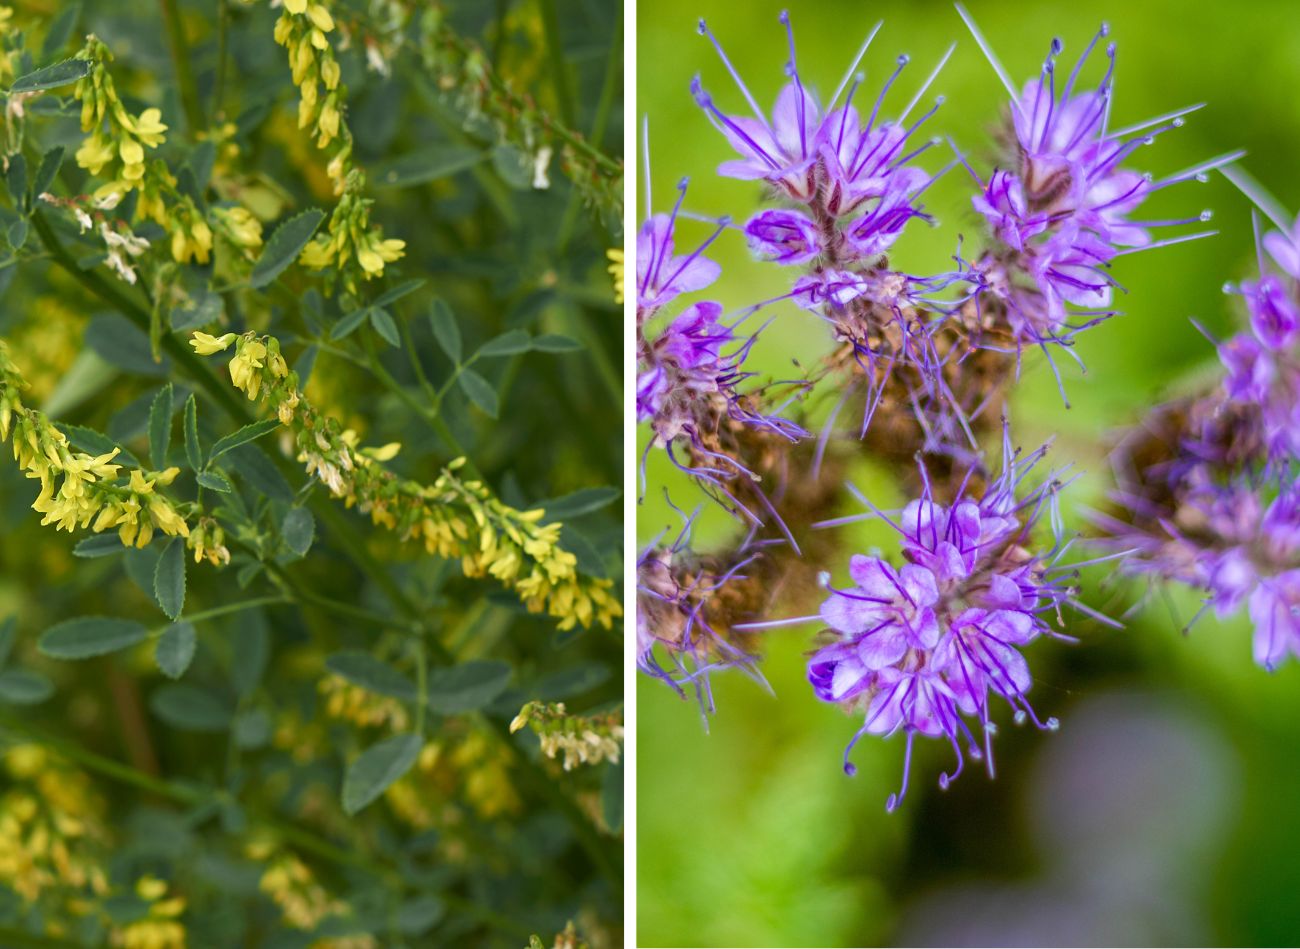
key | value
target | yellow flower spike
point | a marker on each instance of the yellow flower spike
(205, 344)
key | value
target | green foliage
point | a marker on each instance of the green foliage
(285, 398)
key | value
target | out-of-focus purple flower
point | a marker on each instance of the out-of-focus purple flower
(1284, 247)
(921, 647)
(783, 237)
(1275, 611)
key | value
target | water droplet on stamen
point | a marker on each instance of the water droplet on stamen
(702, 27)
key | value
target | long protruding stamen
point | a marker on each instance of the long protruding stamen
(987, 50)
(740, 83)
(1140, 126)
(793, 70)
(705, 101)
(1258, 196)
(1074, 73)
(645, 152)
(903, 60)
(1200, 172)
(929, 80)
(853, 66)
(1050, 68)
(1167, 242)
(844, 113)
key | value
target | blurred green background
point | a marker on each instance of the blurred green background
(1163, 811)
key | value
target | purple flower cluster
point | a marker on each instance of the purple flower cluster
(852, 182)
(1062, 211)
(922, 647)
(689, 374)
(1222, 513)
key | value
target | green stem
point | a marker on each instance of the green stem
(555, 56)
(184, 69)
(223, 30)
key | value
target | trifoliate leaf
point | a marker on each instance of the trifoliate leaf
(480, 392)
(467, 687)
(373, 675)
(160, 427)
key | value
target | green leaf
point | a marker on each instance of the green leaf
(467, 687)
(555, 343)
(90, 636)
(160, 427)
(250, 649)
(16, 179)
(169, 578)
(175, 649)
(376, 768)
(507, 344)
(298, 529)
(190, 708)
(8, 632)
(417, 916)
(214, 481)
(22, 687)
(396, 293)
(611, 796)
(284, 246)
(17, 233)
(57, 36)
(193, 451)
(348, 323)
(242, 437)
(430, 164)
(46, 171)
(572, 681)
(97, 443)
(253, 728)
(99, 545)
(373, 675)
(445, 329)
(480, 391)
(51, 77)
(385, 327)
(578, 503)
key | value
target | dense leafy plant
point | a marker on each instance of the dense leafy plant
(308, 345)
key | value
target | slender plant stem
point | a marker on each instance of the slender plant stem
(555, 56)
(223, 40)
(189, 89)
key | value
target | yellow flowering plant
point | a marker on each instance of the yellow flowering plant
(310, 618)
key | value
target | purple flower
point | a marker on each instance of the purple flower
(919, 647)
(1275, 611)
(779, 149)
(1063, 210)
(784, 237)
(1284, 248)
(662, 277)
(833, 288)
(875, 232)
